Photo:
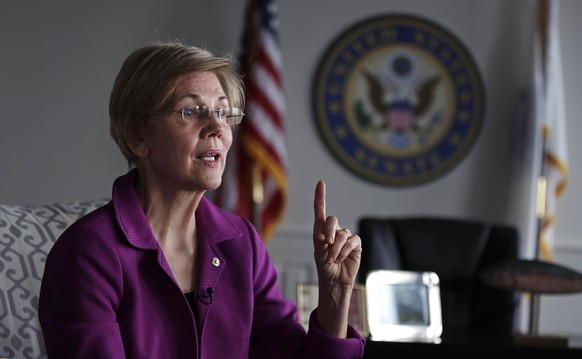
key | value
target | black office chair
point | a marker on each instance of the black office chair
(457, 250)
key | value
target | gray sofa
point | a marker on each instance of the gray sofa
(27, 234)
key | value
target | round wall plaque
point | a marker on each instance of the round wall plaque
(398, 100)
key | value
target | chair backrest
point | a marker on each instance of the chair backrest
(455, 249)
(27, 233)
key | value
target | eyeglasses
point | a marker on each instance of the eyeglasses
(199, 114)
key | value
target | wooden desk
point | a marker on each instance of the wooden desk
(498, 350)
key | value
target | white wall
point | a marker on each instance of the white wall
(59, 60)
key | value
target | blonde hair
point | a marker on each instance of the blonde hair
(147, 84)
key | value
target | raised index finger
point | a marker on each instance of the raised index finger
(319, 202)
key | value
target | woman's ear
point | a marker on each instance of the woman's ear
(136, 143)
(138, 148)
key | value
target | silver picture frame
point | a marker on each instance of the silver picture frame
(404, 306)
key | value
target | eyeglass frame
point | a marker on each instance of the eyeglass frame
(205, 112)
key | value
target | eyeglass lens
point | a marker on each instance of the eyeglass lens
(229, 115)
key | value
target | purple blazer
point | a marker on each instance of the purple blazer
(108, 292)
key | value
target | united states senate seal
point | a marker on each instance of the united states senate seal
(398, 100)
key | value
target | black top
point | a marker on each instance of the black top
(191, 297)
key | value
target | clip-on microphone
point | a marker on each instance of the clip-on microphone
(205, 298)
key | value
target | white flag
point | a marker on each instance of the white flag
(550, 108)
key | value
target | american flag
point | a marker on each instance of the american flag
(255, 180)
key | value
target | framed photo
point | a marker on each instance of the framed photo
(404, 306)
(307, 296)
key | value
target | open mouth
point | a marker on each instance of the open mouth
(207, 158)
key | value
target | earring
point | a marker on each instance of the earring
(144, 150)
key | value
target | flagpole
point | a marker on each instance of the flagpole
(534, 307)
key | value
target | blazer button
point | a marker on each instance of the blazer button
(215, 261)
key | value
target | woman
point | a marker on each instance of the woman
(160, 271)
